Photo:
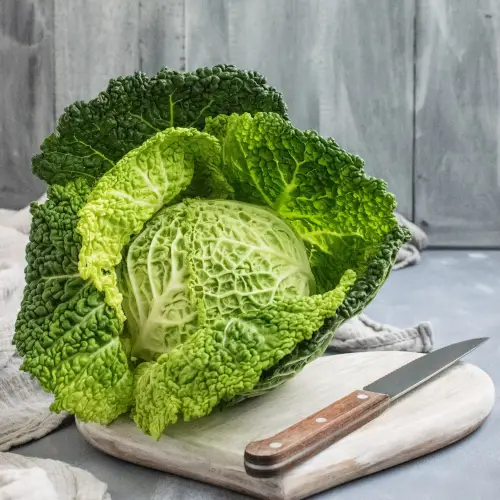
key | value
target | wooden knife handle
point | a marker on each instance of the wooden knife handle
(271, 456)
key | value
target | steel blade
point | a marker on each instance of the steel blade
(414, 373)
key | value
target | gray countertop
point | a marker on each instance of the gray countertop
(458, 292)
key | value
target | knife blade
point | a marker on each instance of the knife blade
(271, 456)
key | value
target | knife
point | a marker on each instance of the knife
(271, 456)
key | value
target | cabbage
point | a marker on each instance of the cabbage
(196, 249)
(200, 262)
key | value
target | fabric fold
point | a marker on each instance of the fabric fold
(364, 334)
(27, 478)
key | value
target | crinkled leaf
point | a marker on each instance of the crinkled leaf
(227, 359)
(202, 261)
(345, 217)
(358, 297)
(92, 136)
(129, 194)
(69, 337)
(342, 214)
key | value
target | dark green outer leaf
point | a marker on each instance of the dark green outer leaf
(69, 338)
(92, 136)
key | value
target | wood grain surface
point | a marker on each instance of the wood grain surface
(366, 86)
(410, 86)
(26, 95)
(211, 449)
(457, 159)
(271, 456)
(162, 35)
(95, 41)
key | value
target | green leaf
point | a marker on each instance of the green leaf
(320, 189)
(68, 336)
(358, 297)
(129, 194)
(345, 217)
(91, 137)
(227, 359)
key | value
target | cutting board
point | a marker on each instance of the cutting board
(444, 410)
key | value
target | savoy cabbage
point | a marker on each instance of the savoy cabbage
(196, 249)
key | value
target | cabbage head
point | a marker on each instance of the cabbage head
(195, 250)
(203, 261)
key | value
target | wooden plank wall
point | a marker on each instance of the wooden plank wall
(95, 41)
(26, 94)
(410, 86)
(457, 137)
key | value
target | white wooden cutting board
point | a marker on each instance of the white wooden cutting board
(437, 414)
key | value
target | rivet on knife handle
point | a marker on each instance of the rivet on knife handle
(273, 455)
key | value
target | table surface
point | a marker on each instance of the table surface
(458, 293)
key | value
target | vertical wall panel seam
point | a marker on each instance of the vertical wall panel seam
(414, 115)
(139, 40)
(54, 65)
(185, 38)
